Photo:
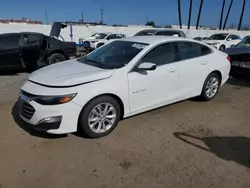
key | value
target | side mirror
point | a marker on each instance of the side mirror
(146, 66)
(175, 35)
(229, 39)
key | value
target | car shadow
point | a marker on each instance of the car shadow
(8, 73)
(239, 81)
(235, 149)
(28, 128)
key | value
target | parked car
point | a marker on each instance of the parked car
(99, 39)
(30, 50)
(123, 78)
(240, 58)
(164, 32)
(222, 41)
(200, 38)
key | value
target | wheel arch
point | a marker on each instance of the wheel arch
(58, 52)
(116, 97)
(217, 72)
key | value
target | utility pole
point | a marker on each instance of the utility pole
(46, 16)
(82, 18)
(102, 10)
(190, 13)
(228, 12)
(179, 11)
(199, 15)
(222, 12)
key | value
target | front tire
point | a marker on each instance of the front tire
(222, 47)
(99, 117)
(211, 87)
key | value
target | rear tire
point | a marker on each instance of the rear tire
(211, 87)
(222, 47)
(56, 58)
(99, 117)
(99, 45)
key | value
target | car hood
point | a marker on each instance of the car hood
(90, 38)
(69, 73)
(56, 29)
(237, 50)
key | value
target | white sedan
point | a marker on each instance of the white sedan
(122, 78)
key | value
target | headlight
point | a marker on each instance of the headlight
(54, 100)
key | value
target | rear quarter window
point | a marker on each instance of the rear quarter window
(188, 50)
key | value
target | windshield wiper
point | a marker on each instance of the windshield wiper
(98, 63)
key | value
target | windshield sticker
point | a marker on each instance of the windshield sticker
(139, 46)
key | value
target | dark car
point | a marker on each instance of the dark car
(240, 58)
(164, 32)
(30, 50)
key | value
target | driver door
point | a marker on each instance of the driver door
(10, 51)
(153, 88)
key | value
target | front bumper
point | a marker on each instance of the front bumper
(66, 117)
(213, 45)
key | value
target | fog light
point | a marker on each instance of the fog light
(51, 119)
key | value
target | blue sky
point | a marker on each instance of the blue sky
(120, 11)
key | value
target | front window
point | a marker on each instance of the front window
(113, 55)
(245, 42)
(218, 36)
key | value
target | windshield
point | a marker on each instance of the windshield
(100, 35)
(113, 55)
(145, 33)
(245, 42)
(94, 34)
(218, 36)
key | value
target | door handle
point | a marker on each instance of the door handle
(204, 63)
(172, 70)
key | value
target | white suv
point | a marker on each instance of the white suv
(98, 39)
(222, 41)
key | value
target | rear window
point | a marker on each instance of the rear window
(145, 33)
(169, 33)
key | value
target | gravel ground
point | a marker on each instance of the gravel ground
(188, 144)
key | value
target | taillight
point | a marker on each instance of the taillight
(229, 59)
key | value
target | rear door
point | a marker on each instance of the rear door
(194, 67)
(10, 51)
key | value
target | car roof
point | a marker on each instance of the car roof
(4, 34)
(154, 39)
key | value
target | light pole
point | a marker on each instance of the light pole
(102, 10)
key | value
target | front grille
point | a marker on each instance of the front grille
(25, 109)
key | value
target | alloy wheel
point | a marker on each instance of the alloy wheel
(102, 117)
(212, 87)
